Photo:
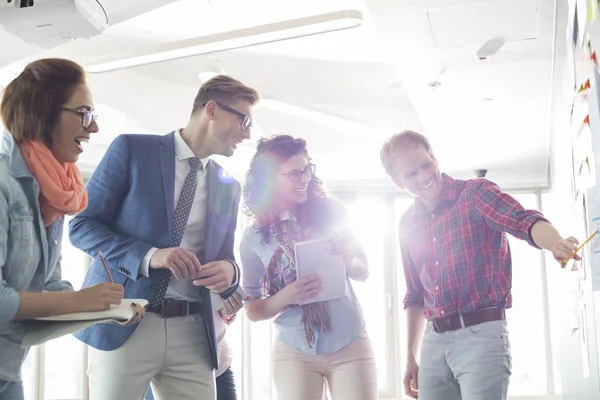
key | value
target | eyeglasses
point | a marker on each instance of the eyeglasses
(296, 174)
(245, 120)
(87, 116)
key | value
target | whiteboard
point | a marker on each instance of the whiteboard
(314, 257)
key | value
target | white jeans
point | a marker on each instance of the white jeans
(172, 353)
(350, 373)
(471, 363)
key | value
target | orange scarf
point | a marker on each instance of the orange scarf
(61, 187)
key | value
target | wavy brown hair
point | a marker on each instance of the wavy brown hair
(31, 102)
(259, 193)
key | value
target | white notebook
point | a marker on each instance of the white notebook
(41, 330)
(314, 257)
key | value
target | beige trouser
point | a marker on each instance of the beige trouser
(351, 373)
(172, 353)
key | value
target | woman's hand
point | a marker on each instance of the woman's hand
(347, 246)
(98, 297)
(302, 290)
(357, 265)
(139, 313)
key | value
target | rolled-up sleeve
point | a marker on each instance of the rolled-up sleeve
(55, 283)
(502, 212)
(414, 287)
(9, 298)
(253, 268)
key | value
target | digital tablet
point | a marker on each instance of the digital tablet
(314, 257)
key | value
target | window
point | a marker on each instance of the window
(50, 373)
(526, 318)
(251, 345)
(369, 218)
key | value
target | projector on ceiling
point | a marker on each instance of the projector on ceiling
(49, 23)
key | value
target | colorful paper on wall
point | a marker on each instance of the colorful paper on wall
(592, 9)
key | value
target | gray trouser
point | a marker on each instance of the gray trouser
(471, 363)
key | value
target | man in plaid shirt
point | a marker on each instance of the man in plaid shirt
(458, 273)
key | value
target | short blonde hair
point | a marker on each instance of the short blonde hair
(225, 89)
(399, 141)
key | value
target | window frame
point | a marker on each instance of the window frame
(394, 321)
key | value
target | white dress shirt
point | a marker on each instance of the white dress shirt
(195, 230)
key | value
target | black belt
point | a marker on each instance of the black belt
(176, 308)
(471, 318)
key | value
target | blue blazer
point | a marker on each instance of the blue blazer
(130, 210)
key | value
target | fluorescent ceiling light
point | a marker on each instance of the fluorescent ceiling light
(316, 117)
(246, 37)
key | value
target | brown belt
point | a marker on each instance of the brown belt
(471, 318)
(176, 308)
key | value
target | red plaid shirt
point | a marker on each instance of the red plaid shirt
(457, 259)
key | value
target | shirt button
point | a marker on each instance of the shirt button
(442, 312)
(434, 239)
(432, 216)
(437, 263)
(55, 242)
(438, 288)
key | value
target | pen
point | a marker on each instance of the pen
(105, 266)
(580, 247)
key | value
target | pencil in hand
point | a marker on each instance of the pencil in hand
(581, 246)
(105, 265)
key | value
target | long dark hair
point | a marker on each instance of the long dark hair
(259, 193)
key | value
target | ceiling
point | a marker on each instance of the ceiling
(346, 91)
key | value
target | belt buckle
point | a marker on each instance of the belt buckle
(435, 326)
(182, 311)
(162, 309)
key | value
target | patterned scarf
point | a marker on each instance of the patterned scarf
(315, 315)
(61, 187)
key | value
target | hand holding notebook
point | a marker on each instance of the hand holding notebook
(40, 330)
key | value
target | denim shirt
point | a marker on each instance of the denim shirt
(346, 316)
(29, 253)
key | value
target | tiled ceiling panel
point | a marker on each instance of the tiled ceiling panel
(475, 24)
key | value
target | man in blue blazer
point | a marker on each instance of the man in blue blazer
(164, 216)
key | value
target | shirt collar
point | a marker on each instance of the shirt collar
(10, 149)
(450, 193)
(286, 215)
(183, 151)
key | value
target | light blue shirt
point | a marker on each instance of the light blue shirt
(29, 253)
(346, 316)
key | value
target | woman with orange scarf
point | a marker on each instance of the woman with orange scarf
(48, 113)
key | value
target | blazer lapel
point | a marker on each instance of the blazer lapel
(211, 201)
(166, 153)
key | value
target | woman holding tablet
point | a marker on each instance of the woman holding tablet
(319, 341)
